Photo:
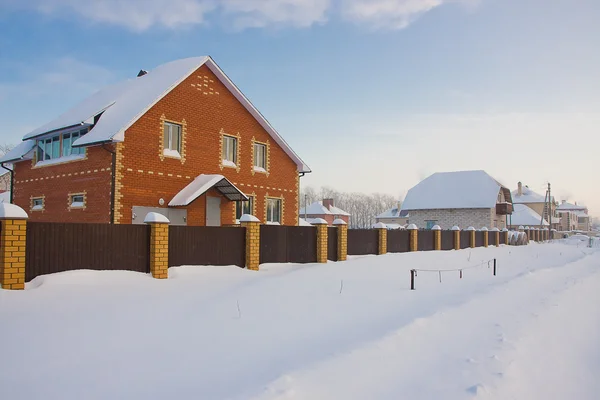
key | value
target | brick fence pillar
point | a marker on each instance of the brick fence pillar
(159, 244)
(382, 238)
(437, 237)
(414, 237)
(486, 237)
(252, 226)
(505, 233)
(456, 231)
(471, 236)
(12, 246)
(342, 241)
(321, 226)
(495, 236)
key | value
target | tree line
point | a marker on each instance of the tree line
(363, 208)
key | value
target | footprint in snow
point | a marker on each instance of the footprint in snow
(477, 389)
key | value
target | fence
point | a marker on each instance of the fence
(57, 247)
(206, 245)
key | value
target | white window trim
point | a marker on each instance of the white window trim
(230, 163)
(167, 146)
(267, 216)
(77, 204)
(171, 153)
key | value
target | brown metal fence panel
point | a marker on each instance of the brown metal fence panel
(363, 241)
(58, 247)
(502, 238)
(425, 240)
(398, 241)
(479, 239)
(283, 244)
(465, 239)
(447, 240)
(207, 245)
(332, 248)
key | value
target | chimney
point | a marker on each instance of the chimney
(328, 203)
(142, 73)
(399, 206)
(520, 189)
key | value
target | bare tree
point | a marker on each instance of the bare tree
(4, 174)
(363, 208)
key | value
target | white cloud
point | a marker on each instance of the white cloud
(141, 15)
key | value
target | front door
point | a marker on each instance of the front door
(213, 211)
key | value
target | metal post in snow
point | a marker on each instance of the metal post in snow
(494, 267)
(412, 279)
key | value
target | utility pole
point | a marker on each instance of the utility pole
(549, 213)
(305, 205)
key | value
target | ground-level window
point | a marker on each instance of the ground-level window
(37, 204)
(430, 224)
(274, 210)
(77, 200)
(229, 150)
(244, 207)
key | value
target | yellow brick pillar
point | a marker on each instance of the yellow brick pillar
(252, 225)
(321, 226)
(12, 246)
(486, 236)
(456, 231)
(159, 244)
(382, 230)
(437, 237)
(495, 236)
(505, 233)
(414, 237)
(471, 236)
(342, 239)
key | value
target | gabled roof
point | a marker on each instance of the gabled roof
(527, 196)
(394, 213)
(120, 105)
(317, 208)
(201, 185)
(452, 190)
(570, 206)
(523, 215)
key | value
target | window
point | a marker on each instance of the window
(37, 204)
(229, 151)
(274, 210)
(430, 224)
(260, 156)
(77, 201)
(244, 207)
(51, 148)
(172, 139)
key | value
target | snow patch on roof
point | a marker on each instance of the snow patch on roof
(452, 190)
(22, 151)
(317, 208)
(197, 188)
(394, 213)
(523, 215)
(570, 206)
(527, 196)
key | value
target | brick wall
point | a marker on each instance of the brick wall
(446, 219)
(54, 183)
(207, 109)
(399, 221)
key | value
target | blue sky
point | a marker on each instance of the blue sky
(373, 94)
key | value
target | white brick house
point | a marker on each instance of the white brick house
(462, 198)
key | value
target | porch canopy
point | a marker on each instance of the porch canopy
(204, 183)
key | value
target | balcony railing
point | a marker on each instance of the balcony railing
(504, 208)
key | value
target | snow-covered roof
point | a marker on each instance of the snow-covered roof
(201, 185)
(393, 213)
(569, 206)
(303, 222)
(451, 190)
(22, 151)
(122, 104)
(523, 215)
(527, 196)
(317, 208)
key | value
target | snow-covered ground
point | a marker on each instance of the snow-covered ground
(348, 330)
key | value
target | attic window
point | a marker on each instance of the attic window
(59, 146)
(172, 139)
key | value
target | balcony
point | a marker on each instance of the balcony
(504, 208)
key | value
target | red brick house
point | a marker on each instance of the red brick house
(181, 140)
(326, 210)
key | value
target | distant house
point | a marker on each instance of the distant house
(462, 198)
(394, 218)
(326, 210)
(535, 201)
(525, 216)
(575, 216)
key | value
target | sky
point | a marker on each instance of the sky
(374, 95)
